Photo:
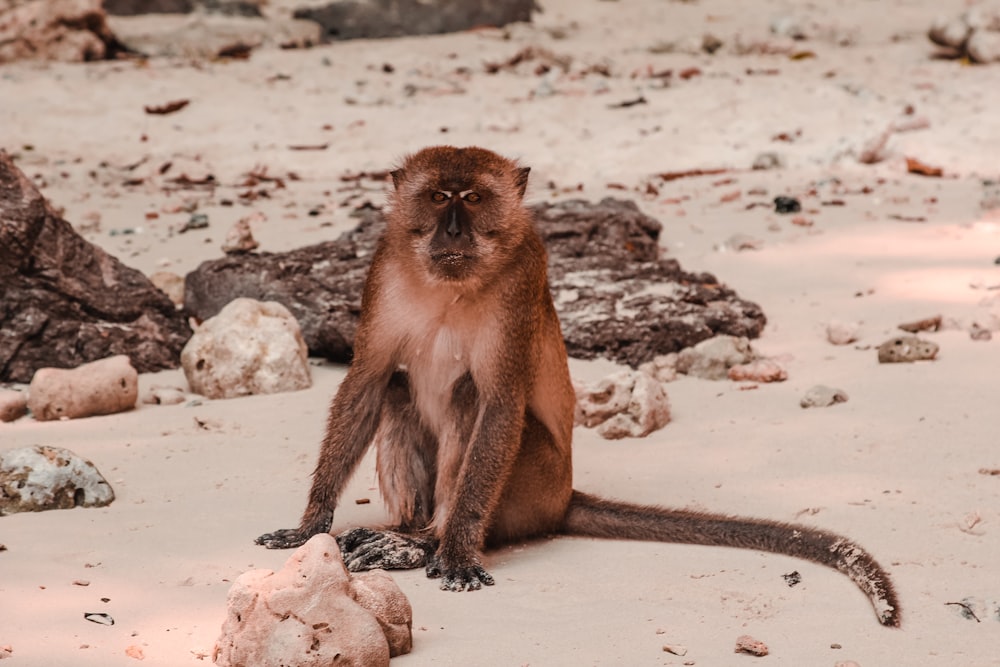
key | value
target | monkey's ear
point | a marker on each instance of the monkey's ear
(521, 179)
(397, 177)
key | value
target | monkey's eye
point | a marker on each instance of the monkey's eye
(472, 197)
(439, 197)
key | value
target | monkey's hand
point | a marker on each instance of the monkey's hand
(366, 549)
(286, 538)
(469, 577)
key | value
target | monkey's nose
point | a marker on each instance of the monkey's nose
(453, 228)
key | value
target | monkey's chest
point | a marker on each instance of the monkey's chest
(434, 363)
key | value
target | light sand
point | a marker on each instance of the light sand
(896, 467)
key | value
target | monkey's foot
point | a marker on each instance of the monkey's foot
(366, 549)
(285, 538)
(461, 578)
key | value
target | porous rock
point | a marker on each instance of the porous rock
(13, 405)
(64, 301)
(250, 347)
(821, 396)
(33, 479)
(624, 404)
(615, 296)
(101, 387)
(313, 613)
(354, 19)
(64, 30)
(711, 359)
(904, 349)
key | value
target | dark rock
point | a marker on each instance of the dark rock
(616, 298)
(787, 205)
(135, 7)
(64, 301)
(354, 19)
(249, 8)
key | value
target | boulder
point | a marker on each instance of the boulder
(354, 19)
(615, 296)
(624, 404)
(64, 301)
(313, 613)
(101, 387)
(250, 347)
(33, 479)
(66, 30)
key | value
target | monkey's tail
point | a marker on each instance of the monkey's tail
(590, 516)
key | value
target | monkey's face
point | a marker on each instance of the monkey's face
(458, 212)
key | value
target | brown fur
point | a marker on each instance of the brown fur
(460, 377)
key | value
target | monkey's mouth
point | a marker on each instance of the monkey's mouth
(450, 258)
(452, 265)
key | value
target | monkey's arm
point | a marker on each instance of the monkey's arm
(491, 453)
(354, 418)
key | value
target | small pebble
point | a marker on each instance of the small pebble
(747, 644)
(977, 332)
(786, 205)
(842, 333)
(675, 649)
(906, 349)
(822, 396)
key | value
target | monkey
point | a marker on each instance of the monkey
(460, 378)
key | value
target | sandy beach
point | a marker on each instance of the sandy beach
(907, 466)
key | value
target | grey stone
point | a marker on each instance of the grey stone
(33, 479)
(354, 19)
(711, 359)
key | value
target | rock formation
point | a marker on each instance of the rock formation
(64, 301)
(615, 296)
(313, 613)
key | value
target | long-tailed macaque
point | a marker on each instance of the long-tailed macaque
(460, 377)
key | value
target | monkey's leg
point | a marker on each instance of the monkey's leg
(475, 492)
(406, 451)
(353, 420)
